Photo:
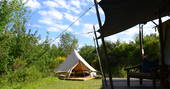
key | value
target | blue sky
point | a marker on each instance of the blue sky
(54, 16)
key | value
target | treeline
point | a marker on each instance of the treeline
(24, 56)
(122, 54)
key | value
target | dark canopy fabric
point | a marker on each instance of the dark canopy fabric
(123, 14)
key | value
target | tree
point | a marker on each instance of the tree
(12, 15)
(89, 54)
(11, 12)
(68, 43)
(56, 51)
(151, 46)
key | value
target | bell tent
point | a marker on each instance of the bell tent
(75, 66)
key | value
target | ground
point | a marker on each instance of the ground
(54, 83)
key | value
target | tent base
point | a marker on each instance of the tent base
(80, 78)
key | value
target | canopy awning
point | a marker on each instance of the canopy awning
(124, 14)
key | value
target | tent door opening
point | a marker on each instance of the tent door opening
(80, 71)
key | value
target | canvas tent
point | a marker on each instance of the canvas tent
(75, 66)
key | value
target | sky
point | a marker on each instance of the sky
(55, 16)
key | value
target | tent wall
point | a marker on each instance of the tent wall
(166, 27)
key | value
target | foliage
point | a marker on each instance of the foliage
(89, 54)
(122, 54)
(56, 51)
(68, 43)
(151, 46)
(22, 57)
(11, 12)
(25, 74)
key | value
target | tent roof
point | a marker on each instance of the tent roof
(124, 14)
(72, 60)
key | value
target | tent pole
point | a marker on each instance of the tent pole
(104, 46)
(141, 46)
(141, 41)
(99, 58)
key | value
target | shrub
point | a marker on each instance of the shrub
(19, 63)
(119, 72)
(25, 74)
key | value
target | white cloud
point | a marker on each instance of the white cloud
(62, 4)
(71, 18)
(51, 4)
(77, 23)
(58, 28)
(131, 31)
(43, 13)
(52, 29)
(33, 4)
(75, 3)
(86, 2)
(63, 27)
(86, 31)
(61, 13)
(129, 35)
(56, 14)
(52, 14)
(47, 21)
(34, 25)
(75, 10)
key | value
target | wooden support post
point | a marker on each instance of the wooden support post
(104, 46)
(161, 41)
(164, 82)
(99, 58)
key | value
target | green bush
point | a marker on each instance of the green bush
(26, 74)
(119, 72)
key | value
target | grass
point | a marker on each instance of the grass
(54, 83)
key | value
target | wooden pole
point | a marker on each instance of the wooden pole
(104, 46)
(98, 51)
(161, 41)
(141, 46)
(164, 82)
(141, 41)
